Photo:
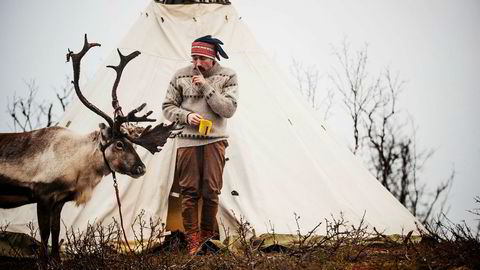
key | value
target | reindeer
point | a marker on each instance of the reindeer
(51, 166)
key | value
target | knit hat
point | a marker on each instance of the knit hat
(208, 47)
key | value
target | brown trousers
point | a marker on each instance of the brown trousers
(199, 170)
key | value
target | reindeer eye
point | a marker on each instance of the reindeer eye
(119, 144)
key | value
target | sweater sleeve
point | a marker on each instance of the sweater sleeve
(224, 104)
(171, 105)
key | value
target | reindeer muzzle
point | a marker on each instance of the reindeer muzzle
(138, 171)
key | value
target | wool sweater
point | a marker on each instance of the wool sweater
(216, 101)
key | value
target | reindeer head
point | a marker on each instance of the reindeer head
(120, 153)
(116, 142)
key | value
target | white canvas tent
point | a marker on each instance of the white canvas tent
(282, 160)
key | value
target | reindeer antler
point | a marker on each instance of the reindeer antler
(119, 118)
(76, 59)
(119, 69)
(131, 117)
(150, 139)
(154, 139)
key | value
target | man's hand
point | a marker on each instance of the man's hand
(198, 80)
(194, 119)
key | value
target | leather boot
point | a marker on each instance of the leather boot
(193, 243)
(207, 235)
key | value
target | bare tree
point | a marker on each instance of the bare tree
(394, 155)
(383, 136)
(476, 212)
(20, 108)
(307, 83)
(28, 113)
(354, 84)
(386, 143)
(64, 94)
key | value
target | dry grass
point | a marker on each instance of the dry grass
(342, 246)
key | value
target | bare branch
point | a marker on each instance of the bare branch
(65, 96)
(307, 83)
(352, 83)
(371, 102)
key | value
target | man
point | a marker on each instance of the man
(204, 90)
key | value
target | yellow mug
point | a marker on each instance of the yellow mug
(205, 127)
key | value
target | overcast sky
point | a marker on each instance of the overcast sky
(434, 45)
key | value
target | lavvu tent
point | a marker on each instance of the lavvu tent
(281, 160)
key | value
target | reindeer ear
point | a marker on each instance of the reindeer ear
(105, 131)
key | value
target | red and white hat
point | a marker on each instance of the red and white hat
(204, 49)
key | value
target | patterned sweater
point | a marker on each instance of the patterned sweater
(215, 101)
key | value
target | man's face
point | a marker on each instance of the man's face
(202, 63)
